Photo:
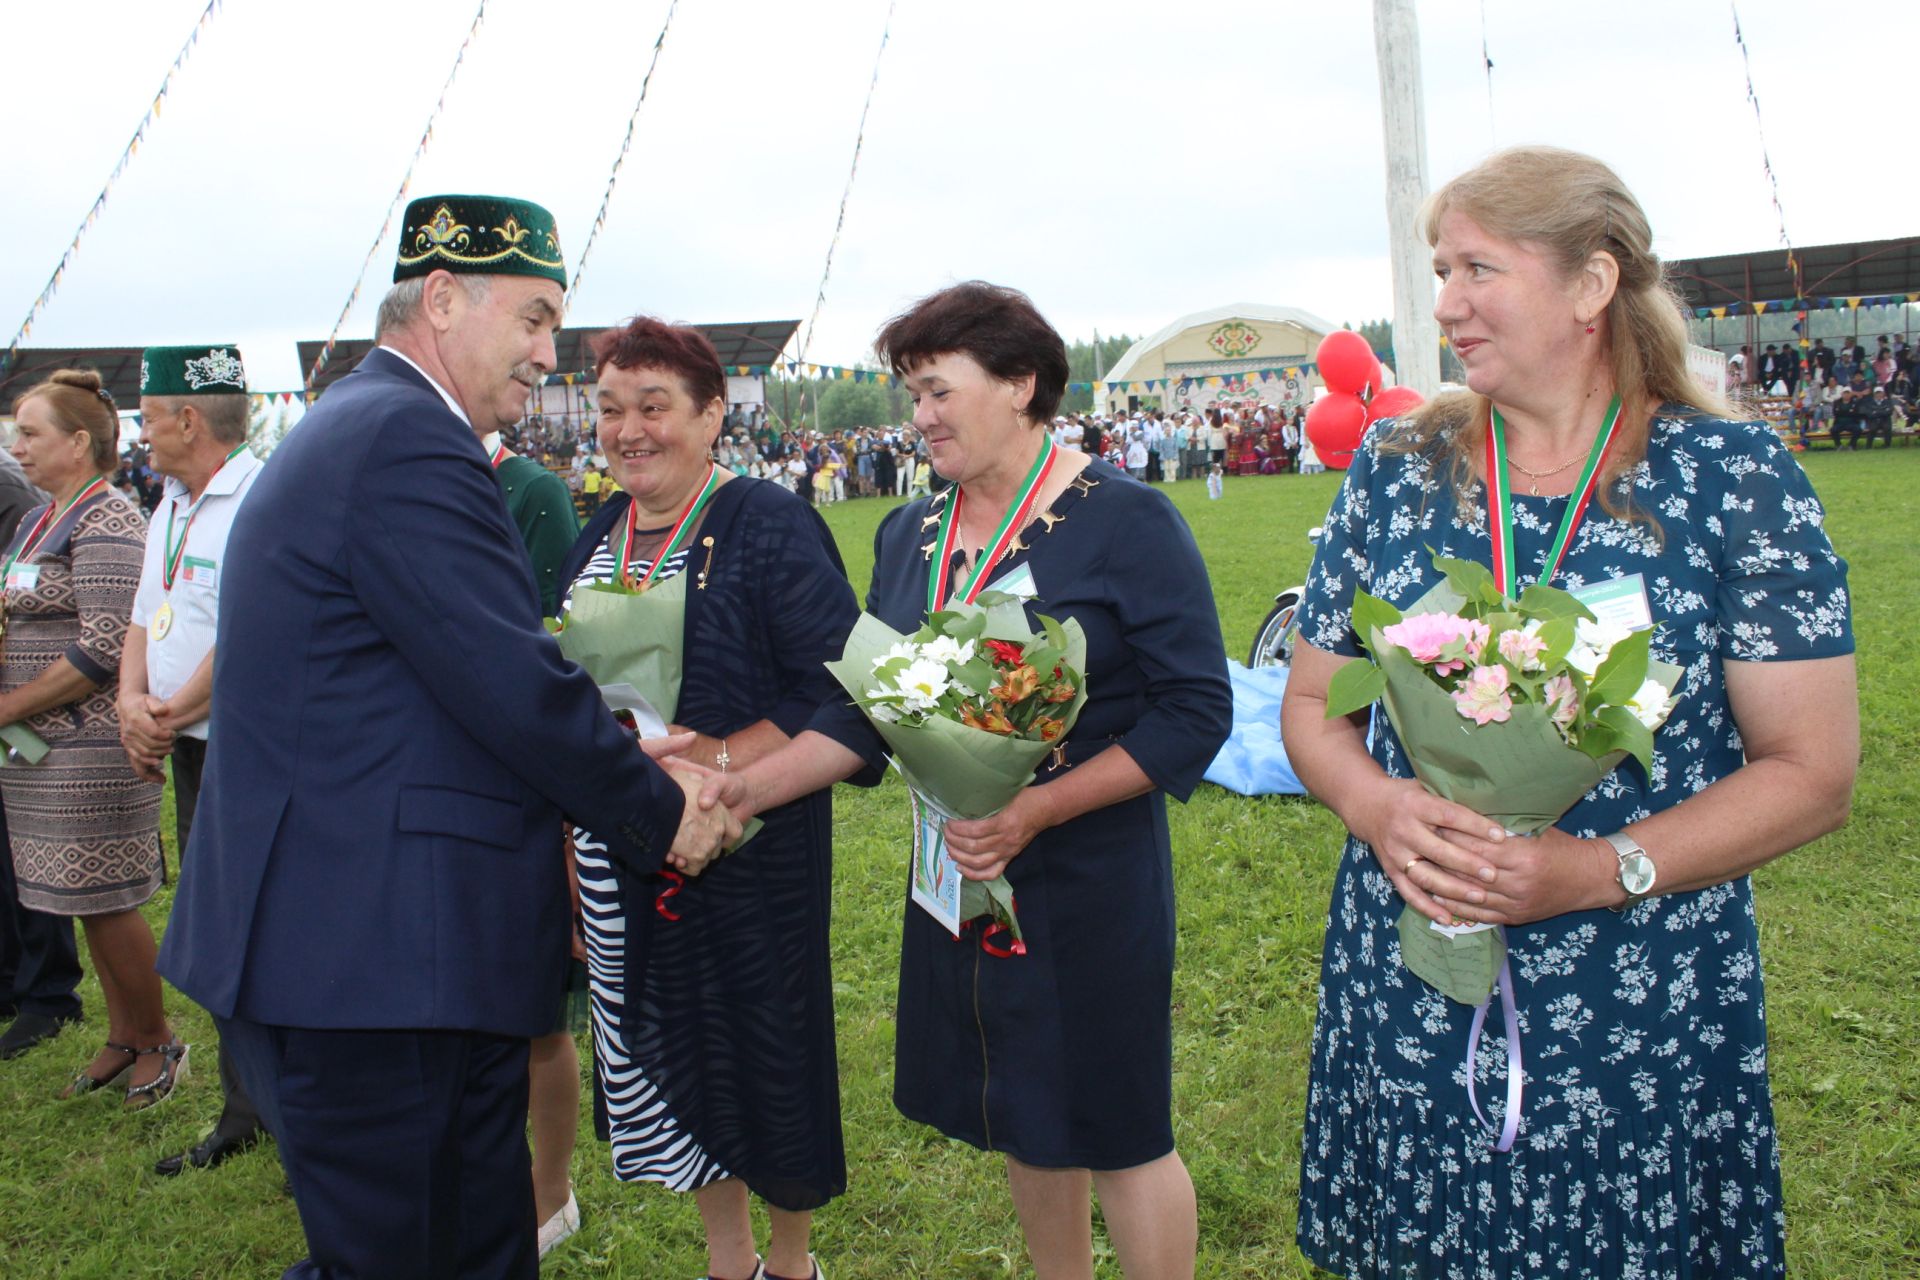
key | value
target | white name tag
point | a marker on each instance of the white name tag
(1621, 601)
(201, 573)
(23, 577)
(1017, 582)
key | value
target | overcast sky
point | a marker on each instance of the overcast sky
(1124, 162)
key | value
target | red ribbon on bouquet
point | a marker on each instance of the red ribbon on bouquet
(675, 883)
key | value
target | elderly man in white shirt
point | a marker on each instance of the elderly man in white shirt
(193, 412)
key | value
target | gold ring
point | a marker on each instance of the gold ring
(1411, 864)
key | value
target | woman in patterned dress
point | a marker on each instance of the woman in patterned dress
(712, 1000)
(1646, 1144)
(85, 829)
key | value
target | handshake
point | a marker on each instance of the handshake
(708, 826)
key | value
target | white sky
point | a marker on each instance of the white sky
(1124, 162)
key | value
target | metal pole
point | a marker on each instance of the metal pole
(1416, 336)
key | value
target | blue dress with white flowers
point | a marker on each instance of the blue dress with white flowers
(1646, 1143)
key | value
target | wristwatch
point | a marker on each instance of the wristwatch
(1636, 869)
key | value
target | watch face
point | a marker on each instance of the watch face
(1636, 874)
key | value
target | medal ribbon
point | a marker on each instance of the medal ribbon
(1500, 500)
(44, 526)
(170, 566)
(499, 456)
(941, 571)
(677, 536)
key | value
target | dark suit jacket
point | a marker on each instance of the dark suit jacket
(378, 842)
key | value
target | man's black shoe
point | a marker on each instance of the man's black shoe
(212, 1152)
(28, 1030)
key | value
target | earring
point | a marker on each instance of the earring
(1589, 326)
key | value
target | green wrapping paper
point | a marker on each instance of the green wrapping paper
(965, 772)
(623, 637)
(1520, 773)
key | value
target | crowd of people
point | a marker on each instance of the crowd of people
(421, 855)
(1839, 392)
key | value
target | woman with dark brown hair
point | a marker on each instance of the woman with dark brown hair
(85, 829)
(1060, 1059)
(1630, 1129)
(711, 997)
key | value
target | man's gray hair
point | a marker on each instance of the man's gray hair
(226, 416)
(402, 303)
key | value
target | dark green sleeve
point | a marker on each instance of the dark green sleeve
(542, 510)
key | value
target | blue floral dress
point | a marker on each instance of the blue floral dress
(1646, 1143)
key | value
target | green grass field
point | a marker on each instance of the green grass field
(1840, 920)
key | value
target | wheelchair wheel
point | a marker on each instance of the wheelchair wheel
(1273, 643)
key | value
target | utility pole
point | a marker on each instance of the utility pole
(1416, 336)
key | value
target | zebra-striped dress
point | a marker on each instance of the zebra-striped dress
(713, 1019)
(648, 1143)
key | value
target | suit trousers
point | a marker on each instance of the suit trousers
(39, 959)
(239, 1118)
(406, 1150)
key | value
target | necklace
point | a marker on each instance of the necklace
(1535, 477)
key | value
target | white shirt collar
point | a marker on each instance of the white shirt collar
(225, 481)
(444, 393)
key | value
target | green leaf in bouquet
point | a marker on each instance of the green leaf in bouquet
(1544, 602)
(1471, 579)
(1629, 735)
(1371, 614)
(1056, 636)
(1354, 687)
(1005, 620)
(1599, 740)
(1622, 672)
(976, 675)
(1558, 635)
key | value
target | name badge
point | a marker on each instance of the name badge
(1017, 582)
(201, 573)
(23, 577)
(936, 877)
(1621, 601)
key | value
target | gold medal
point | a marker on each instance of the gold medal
(163, 621)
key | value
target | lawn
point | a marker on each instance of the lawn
(1840, 923)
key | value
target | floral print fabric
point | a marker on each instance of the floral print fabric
(1646, 1144)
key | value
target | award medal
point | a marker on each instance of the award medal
(42, 528)
(941, 570)
(176, 551)
(1500, 500)
(675, 536)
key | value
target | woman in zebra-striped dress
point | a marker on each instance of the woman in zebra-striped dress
(712, 999)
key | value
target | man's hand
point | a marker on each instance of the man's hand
(703, 831)
(145, 738)
(671, 745)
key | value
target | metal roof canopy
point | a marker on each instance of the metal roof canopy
(751, 342)
(1867, 268)
(118, 367)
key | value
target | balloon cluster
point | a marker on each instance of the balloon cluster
(1355, 397)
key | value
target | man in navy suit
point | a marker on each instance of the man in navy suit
(375, 905)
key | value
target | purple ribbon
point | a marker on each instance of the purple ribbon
(1516, 1082)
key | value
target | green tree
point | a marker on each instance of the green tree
(845, 405)
(265, 428)
(1080, 368)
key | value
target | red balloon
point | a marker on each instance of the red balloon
(1393, 402)
(1335, 424)
(1347, 363)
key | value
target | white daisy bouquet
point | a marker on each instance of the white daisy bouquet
(1515, 709)
(969, 705)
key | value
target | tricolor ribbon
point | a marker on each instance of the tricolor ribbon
(940, 572)
(676, 536)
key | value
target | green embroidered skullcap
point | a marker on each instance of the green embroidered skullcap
(193, 371)
(479, 235)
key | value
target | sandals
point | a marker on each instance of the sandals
(86, 1082)
(173, 1069)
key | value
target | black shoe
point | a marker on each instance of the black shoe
(212, 1152)
(29, 1029)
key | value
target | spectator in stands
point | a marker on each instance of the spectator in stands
(1821, 358)
(1876, 416)
(1847, 419)
(1883, 365)
(1845, 366)
(1770, 369)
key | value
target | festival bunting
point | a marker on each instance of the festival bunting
(1766, 161)
(626, 143)
(399, 197)
(840, 220)
(1149, 385)
(100, 201)
(1802, 305)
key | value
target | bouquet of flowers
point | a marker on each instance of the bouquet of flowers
(1515, 709)
(969, 705)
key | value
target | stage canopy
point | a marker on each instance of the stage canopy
(1869, 273)
(118, 367)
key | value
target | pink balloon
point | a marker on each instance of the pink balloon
(1347, 364)
(1335, 424)
(1393, 402)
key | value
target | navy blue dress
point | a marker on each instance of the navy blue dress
(1646, 1145)
(1063, 1057)
(713, 1033)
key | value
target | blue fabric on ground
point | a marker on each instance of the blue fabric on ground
(1254, 762)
